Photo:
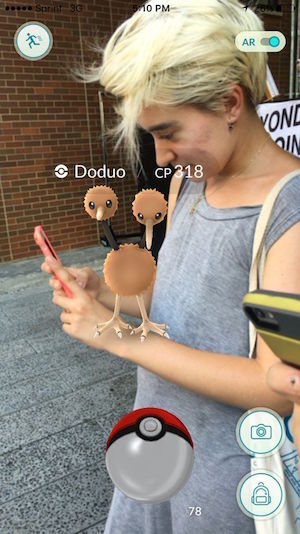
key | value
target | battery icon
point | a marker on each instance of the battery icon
(260, 41)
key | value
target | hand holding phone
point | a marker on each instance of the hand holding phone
(47, 249)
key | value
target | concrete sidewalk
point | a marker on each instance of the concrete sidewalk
(59, 400)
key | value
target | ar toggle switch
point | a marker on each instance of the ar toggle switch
(260, 41)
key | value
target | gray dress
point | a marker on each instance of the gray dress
(202, 276)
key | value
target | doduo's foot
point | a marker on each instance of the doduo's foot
(147, 326)
(116, 323)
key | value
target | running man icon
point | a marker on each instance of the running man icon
(33, 40)
(31, 37)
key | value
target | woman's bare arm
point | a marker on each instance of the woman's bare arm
(226, 378)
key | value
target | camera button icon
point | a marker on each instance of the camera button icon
(260, 432)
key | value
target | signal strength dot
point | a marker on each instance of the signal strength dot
(18, 8)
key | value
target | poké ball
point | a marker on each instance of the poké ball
(149, 455)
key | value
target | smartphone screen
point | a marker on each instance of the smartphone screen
(56, 145)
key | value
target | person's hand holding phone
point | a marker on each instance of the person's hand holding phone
(285, 379)
(85, 277)
(82, 312)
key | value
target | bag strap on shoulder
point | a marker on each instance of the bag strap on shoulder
(258, 251)
(176, 184)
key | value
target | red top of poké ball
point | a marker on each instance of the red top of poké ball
(132, 418)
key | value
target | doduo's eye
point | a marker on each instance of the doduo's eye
(140, 216)
(92, 205)
(158, 215)
(109, 203)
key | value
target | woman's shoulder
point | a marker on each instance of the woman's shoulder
(285, 167)
(284, 164)
(292, 175)
(286, 209)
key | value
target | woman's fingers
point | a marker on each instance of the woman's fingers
(45, 267)
(54, 283)
(65, 317)
(285, 380)
(80, 274)
(74, 270)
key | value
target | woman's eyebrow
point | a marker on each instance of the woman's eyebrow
(162, 126)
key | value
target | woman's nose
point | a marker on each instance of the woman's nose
(164, 155)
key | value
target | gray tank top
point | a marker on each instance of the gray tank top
(202, 275)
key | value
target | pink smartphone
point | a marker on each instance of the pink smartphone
(47, 249)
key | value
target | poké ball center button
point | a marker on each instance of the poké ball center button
(260, 494)
(150, 427)
(149, 455)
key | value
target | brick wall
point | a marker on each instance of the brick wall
(280, 63)
(48, 119)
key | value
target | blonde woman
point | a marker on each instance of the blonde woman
(178, 75)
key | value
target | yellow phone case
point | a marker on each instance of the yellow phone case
(276, 317)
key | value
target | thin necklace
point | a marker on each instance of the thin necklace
(202, 195)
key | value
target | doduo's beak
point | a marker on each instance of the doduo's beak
(100, 213)
(149, 233)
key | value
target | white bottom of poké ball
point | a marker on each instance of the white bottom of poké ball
(150, 471)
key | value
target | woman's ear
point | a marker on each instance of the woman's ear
(234, 103)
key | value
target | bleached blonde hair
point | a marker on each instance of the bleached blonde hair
(186, 55)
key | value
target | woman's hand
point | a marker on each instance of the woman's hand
(286, 380)
(85, 277)
(82, 313)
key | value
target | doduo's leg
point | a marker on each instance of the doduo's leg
(116, 322)
(146, 326)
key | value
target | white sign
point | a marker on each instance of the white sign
(282, 121)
